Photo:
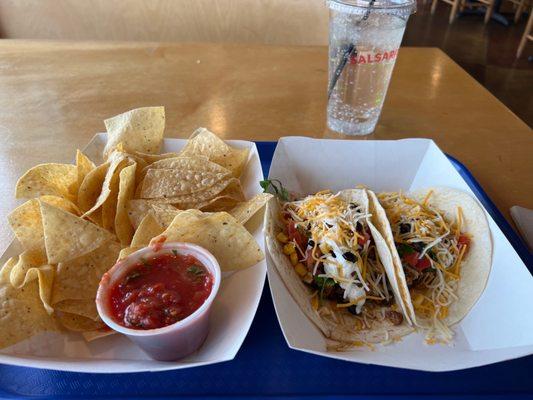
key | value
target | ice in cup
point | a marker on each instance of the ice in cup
(364, 39)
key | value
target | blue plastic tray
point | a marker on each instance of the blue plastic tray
(266, 367)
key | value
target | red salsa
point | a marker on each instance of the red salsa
(160, 291)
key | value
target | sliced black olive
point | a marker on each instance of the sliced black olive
(353, 205)
(353, 309)
(349, 256)
(332, 254)
(328, 225)
(405, 228)
(432, 255)
(319, 269)
(418, 246)
(311, 243)
(338, 294)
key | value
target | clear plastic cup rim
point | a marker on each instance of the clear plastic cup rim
(356, 6)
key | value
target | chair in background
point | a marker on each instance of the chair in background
(519, 7)
(460, 5)
(489, 9)
(527, 34)
(455, 8)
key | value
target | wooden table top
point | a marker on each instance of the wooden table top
(54, 97)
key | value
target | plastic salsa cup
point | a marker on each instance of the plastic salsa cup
(169, 342)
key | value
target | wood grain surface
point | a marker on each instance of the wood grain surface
(286, 22)
(54, 97)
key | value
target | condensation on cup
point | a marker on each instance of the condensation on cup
(364, 39)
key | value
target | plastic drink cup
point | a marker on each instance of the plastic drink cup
(364, 40)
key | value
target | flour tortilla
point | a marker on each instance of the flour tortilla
(379, 218)
(477, 263)
(302, 293)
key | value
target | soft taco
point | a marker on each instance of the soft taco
(337, 267)
(441, 250)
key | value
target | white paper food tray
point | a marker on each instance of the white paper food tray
(231, 316)
(500, 325)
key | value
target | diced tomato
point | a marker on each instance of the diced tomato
(363, 238)
(463, 239)
(309, 260)
(294, 234)
(286, 216)
(411, 258)
(423, 263)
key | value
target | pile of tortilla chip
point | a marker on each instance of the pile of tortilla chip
(80, 219)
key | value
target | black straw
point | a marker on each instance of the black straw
(350, 50)
(338, 71)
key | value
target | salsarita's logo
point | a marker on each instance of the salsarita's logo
(370, 57)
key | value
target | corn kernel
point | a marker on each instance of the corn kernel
(300, 269)
(282, 237)
(443, 312)
(314, 303)
(294, 258)
(289, 248)
(359, 325)
(418, 299)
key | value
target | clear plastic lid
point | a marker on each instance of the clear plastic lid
(399, 7)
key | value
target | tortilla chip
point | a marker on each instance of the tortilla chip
(152, 158)
(85, 308)
(91, 187)
(246, 210)
(22, 314)
(168, 163)
(44, 276)
(148, 229)
(48, 179)
(89, 336)
(164, 215)
(67, 236)
(138, 189)
(231, 244)
(190, 175)
(116, 162)
(138, 208)
(31, 266)
(141, 165)
(205, 197)
(83, 166)
(26, 222)
(126, 251)
(78, 278)
(30, 259)
(123, 227)
(175, 162)
(109, 207)
(206, 143)
(140, 129)
(78, 323)
(225, 200)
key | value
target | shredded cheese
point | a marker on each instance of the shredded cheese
(438, 239)
(337, 227)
